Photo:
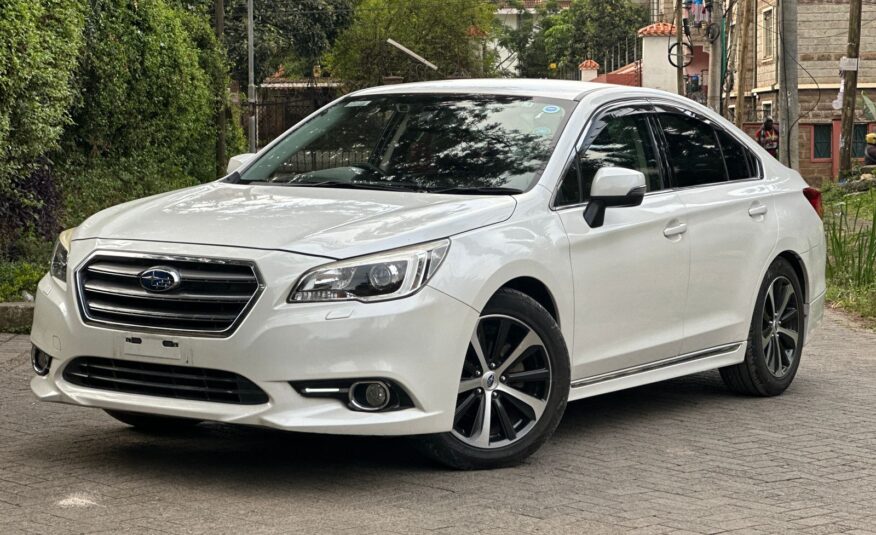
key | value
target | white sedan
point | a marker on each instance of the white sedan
(454, 260)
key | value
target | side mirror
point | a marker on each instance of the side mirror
(236, 162)
(613, 186)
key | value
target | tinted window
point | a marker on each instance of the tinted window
(620, 138)
(822, 143)
(570, 187)
(736, 157)
(693, 150)
(419, 141)
(859, 140)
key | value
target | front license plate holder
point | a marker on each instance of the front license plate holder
(152, 347)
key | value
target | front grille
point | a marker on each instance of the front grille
(180, 382)
(211, 299)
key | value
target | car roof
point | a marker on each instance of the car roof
(560, 89)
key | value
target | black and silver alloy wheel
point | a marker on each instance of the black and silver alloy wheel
(780, 326)
(512, 389)
(505, 383)
(775, 338)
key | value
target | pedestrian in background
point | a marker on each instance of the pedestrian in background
(768, 137)
(870, 152)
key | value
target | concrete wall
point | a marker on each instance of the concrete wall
(657, 72)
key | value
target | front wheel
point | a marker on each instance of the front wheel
(775, 339)
(512, 390)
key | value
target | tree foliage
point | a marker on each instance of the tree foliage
(40, 41)
(294, 34)
(565, 37)
(592, 28)
(447, 33)
(102, 102)
(150, 80)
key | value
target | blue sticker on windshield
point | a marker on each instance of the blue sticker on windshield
(550, 108)
(542, 131)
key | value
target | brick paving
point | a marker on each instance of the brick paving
(683, 456)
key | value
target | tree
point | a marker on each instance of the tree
(292, 34)
(526, 42)
(565, 37)
(447, 33)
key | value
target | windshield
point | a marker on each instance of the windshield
(451, 143)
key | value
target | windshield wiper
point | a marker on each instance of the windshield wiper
(477, 190)
(397, 186)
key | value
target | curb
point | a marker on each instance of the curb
(16, 317)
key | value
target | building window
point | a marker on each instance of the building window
(822, 142)
(766, 109)
(768, 34)
(859, 141)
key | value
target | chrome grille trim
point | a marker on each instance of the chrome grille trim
(215, 295)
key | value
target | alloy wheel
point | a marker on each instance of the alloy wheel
(505, 383)
(781, 324)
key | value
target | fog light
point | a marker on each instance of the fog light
(369, 395)
(40, 361)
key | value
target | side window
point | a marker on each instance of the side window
(570, 187)
(620, 138)
(693, 149)
(739, 161)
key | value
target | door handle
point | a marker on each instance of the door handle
(675, 228)
(757, 209)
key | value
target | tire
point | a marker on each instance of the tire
(152, 422)
(526, 356)
(770, 362)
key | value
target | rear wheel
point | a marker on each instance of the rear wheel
(152, 422)
(512, 389)
(775, 339)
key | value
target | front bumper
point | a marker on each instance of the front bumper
(418, 342)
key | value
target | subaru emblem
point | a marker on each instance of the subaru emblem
(160, 279)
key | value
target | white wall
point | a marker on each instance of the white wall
(657, 72)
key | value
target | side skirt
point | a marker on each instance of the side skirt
(681, 365)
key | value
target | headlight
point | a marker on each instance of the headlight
(58, 269)
(378, 277)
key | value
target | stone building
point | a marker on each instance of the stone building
(822, 37)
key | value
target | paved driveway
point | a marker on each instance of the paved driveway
(677, 457)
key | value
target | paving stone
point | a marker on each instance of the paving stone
(683, 456)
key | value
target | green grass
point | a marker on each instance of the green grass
(851, 250)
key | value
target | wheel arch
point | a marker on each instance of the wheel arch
(537, 290)
(799, 268)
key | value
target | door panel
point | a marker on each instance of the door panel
(732, 229)
(630, 279)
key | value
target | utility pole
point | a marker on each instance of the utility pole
(789, 104)
(219, 12)
(252, 88)
(742, 78)
(679, 50)
(716, 57)
(850, 86)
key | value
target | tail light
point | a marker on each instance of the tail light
(814, 197)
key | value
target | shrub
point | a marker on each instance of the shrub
(40, 41)
(18, 277)
(151, 78)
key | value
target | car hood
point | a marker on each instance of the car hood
(335, 223)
